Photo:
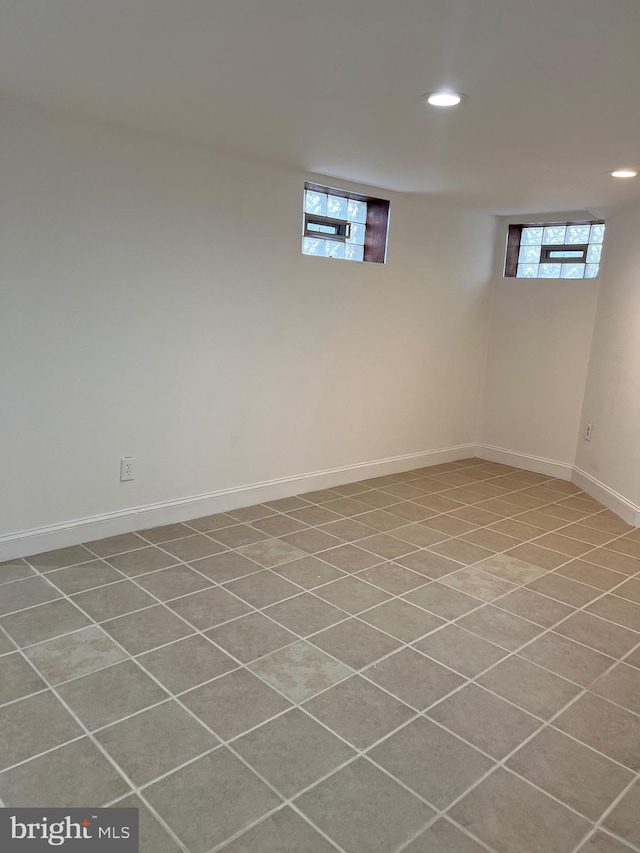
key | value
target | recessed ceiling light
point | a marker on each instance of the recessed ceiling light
(444, 98)
(624, 173)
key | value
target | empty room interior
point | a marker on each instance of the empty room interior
(320, 426)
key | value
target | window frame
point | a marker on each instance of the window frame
(514, 237)
(376, 226)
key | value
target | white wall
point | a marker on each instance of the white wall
(540, 339)
(612, 397)
(154, 302)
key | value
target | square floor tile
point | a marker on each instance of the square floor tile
(510, 815)
(152, 835)
(251, 637)
(510, 569)
(460, 650)
(299, 671)
(624, 820)
(282, 832)
(595, 576)
(605, 727)
(166, 533)
(115, 599)
(499, 627)
(203, 815)
(479, 584)
(348, 529)
(393, 578)
(566, 658)
(193, 547)
(74, 654)
(564, 589)
(443, 837)
(537, 556)
(237, 536)
(382, 520)
(442, 600)
(186, 663)
(263, 588)
(418, 535)
(346, 507)
(350, 558)
(311, 540)
(611, 607)
(234, 703)
(575, 774)
(359, 711)
(431, 761)
(622, 686)
(313, 515)
(355, 643)
(43, 622)
(18, 595)
(363, 810)
(292, 751)
(17, 678)
(305, 614)
(485, 720)
(386, 546)
(429, 564)
(144, 560)
(74, 775)
(34, 725)
(463, 552)
(529, 686)
(271, 553)
(60, 558)
(212, 522)
(351, 594)
(85, 576)
(108, 695)
(309, 572)
(600, 634)
(613, 560)
(630, 589)
(173, 583)
(251, 513)
(134, 743)
(563, 544)
(139, 632)
(209, 608)
(413, 678)
(490, 539)
(225, 567)
(15, 570)
(534, 607)
(281, 525)
(112, 545)
(401, 620)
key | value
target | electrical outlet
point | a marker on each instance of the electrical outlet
(587, 432)
(128, 468)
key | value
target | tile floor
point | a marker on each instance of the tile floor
(441, 660)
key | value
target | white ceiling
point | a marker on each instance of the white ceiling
(333, 86)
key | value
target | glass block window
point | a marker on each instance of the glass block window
(339, 224)
(554, 250)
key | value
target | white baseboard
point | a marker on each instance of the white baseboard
(537, 464)
(37, 540)
(614, 501)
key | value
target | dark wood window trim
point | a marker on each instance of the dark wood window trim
(376, 226)
(514, 237)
